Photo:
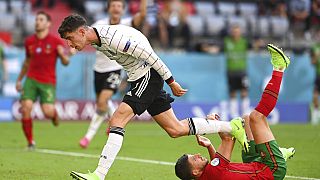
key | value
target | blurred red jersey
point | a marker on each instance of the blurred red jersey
(43, 56)
(221, 169)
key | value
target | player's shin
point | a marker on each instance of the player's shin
(270, 94)
(204, 126)
(111, 108)
(110, 151)
(95, 123)
(27, 129)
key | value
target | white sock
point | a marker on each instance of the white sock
(234, 108)
(203, 126)
(95, 123)
(111, 108)
(110, 151)
(245, 106)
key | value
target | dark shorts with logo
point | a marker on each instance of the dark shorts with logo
(237, 81)
(147, 93)
(108, 80)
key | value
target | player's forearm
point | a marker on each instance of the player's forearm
(65, 59)
(147, 54)
(211, 151)
(23, 70)
(226, 147)
(139, 17)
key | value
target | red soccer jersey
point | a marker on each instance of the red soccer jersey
(43, 56)
(221, 169)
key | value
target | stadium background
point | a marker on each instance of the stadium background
(203, 74)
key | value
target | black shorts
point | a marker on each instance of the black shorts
(317, 83)
(237, 81)
(108, 80)
(147, 93)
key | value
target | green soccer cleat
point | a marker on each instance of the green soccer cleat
(239, 133)
(80, 176)
(278, 59)
(287, 153)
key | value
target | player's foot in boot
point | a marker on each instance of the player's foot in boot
(287, 152)
(84, 142)
(31, 146)
(239, 133)
(81, 176)
(55, 120)
(279, 60)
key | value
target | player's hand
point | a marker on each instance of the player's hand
(213, 116)
(72, 51)
(203, 141)
(177, 90)
(18, 86)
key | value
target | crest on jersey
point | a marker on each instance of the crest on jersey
(126, 47)
(215, 162)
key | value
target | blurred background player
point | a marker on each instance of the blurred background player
(235, 48)
(3, 69)
(107, 73)
(42, 51)
(272, 161)
(315, 59)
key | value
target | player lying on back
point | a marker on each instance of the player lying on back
(265, 160)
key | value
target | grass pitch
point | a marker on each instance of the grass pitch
(145, 141)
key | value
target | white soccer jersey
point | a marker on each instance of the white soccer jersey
(103, 63)
(131, 49)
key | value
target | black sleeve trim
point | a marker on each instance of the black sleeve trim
(170, 80)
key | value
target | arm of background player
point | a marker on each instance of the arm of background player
(140, 16)
(226, 146)
(205, 142)
(23, 72)
(63, 56)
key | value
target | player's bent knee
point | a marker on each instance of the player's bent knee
(256, 116)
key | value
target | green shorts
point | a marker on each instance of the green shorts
(268, 154)
(32, 89)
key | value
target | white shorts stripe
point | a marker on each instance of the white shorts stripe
(143, 85)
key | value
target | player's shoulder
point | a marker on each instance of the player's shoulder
(30, 39)
(54, 39)
(104, 21)
(126, 21)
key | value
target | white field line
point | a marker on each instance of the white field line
(76, 154)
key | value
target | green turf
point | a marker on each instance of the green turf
(142, 140)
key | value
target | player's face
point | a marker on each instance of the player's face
(197, 162)
(116, 9)
(42, 23)
(76, 39)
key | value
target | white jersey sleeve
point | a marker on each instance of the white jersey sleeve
(103, 63)
(131, 49)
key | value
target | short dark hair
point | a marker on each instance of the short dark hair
(45, 14)
(71, 23)
(183, 169)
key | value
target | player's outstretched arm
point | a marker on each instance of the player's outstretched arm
(22, 73)
(63, 56)
(205, 142)
(140, 16)
(226, 146)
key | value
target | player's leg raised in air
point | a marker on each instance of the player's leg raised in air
(266, 144)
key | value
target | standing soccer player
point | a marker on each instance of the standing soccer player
(106, 72)
(265, 160)
(42, 51)
(147, 73)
